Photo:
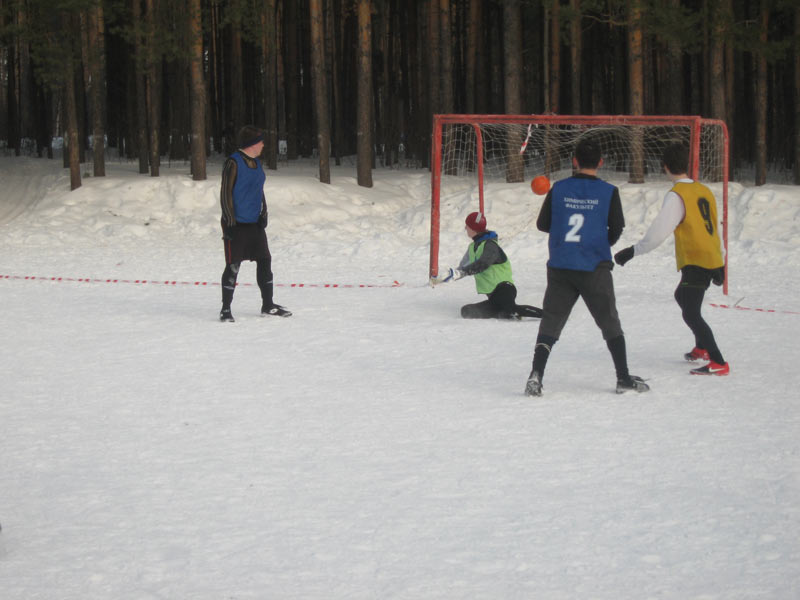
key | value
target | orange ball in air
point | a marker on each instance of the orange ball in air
(540, 185)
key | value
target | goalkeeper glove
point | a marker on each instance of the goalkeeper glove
(624, 256)
(445, 275)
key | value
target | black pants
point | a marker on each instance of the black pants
(565, 286)
(501, 304)
(689, 295)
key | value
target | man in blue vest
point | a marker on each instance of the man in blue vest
(486, 261)
(583, 215)
(244, 222)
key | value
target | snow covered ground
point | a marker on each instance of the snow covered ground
(375, 445)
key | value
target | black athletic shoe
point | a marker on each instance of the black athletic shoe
(276, 310)
(225, 315)
(534, 385)
(632, 383)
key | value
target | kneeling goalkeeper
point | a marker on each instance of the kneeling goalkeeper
(487, 262)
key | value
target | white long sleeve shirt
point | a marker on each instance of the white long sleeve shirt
(669, 217)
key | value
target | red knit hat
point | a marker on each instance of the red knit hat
(476, 221)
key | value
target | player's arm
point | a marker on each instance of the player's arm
(545, 213)
(492, 254)
(616, 218)
(229, 172)
(669, 217)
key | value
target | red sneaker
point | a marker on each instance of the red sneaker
(712, 368)
(696, 354)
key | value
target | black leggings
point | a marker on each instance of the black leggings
(689, 295)
(263, 278)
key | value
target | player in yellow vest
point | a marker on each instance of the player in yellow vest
(486, 261)
(690, 212)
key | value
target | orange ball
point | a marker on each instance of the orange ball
(540, 185)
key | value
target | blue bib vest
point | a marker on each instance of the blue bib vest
(579, 224)
(248, 190)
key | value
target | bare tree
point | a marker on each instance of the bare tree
(446, 46)
(270, 59)
(797, 95)
(636, 85)
(575, 53)
(198, 86)
(320, 83)
(153, 89)
(761, 96)
(97, 84)
(473, 51)
(364, 108)
(512, 52)
(70, 105)
(555, 57)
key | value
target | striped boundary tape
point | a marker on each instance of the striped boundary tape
(394, 284)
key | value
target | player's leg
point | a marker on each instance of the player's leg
(597, 290)
(689, 295)
(559, 299)
(479, 310)
(503, 299)
(228, 284)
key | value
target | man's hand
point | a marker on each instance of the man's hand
(624, 256)
(718, 276)
(227, 232)
(447, 274)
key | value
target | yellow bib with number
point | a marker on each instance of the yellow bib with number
(697, 237)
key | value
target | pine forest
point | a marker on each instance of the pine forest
(174, 80)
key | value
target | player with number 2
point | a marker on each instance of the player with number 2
(583, 215)
(689, 211)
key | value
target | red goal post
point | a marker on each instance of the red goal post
(480, 149)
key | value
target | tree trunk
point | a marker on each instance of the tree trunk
(636, 85)
(512, 46)
(140, 50)
(198, 86)
(717, 86)
(434, 59)
(96, 55)
(71, 110)
(671, 95)
(717, 59)
(291, 78)
(270, 58)
(364, 104)
(153, 88)
(320, 83)
(761, 96)
(576, 52)
(797, 95)
(446, 45)
(473, 49)
(237, 91)
(555, 57)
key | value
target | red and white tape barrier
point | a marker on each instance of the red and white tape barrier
(394, 284)
(765, 310)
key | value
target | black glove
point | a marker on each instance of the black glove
(262, 220)
(718, 276)
(227, 232)
(624, 256)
